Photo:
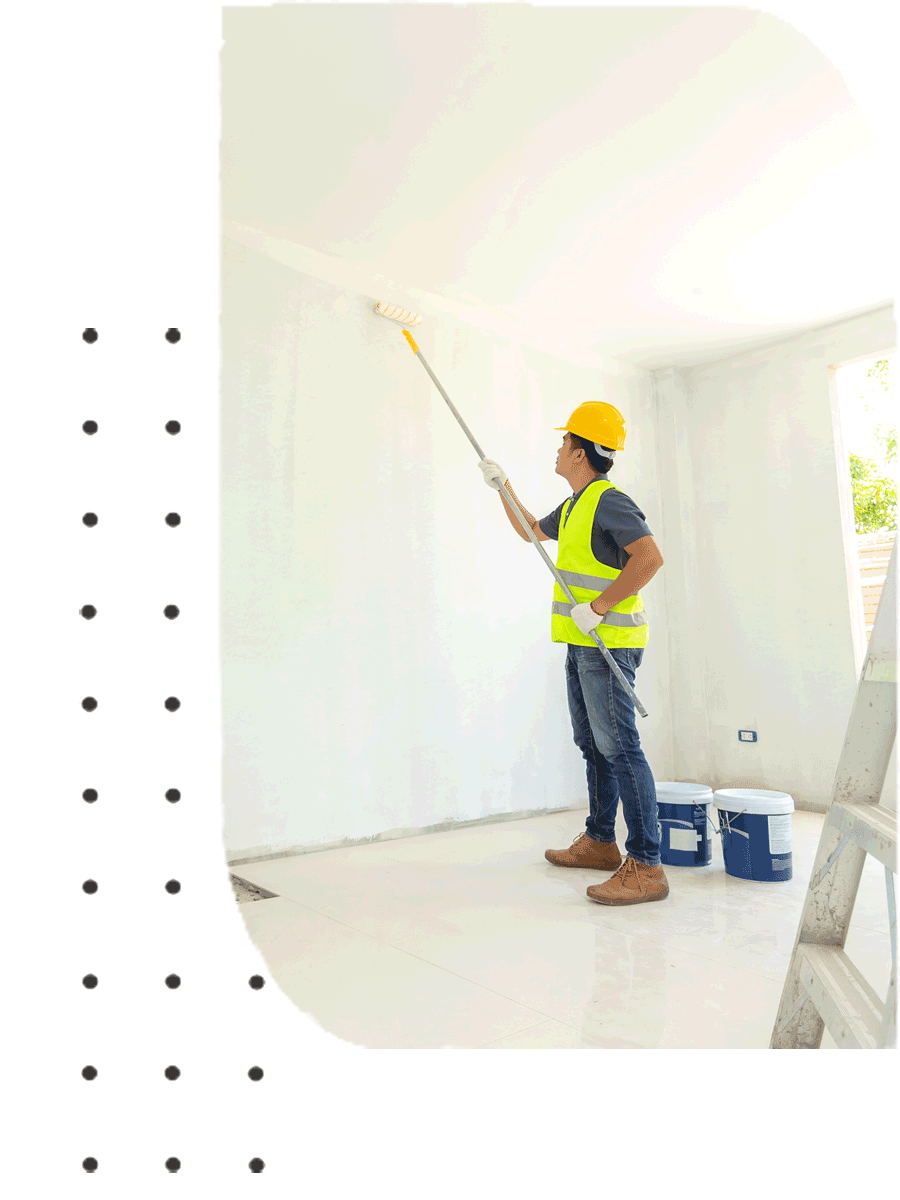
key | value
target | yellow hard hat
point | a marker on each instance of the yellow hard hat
(599, 423)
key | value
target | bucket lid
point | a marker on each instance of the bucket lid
(684, 793)
(753, 801)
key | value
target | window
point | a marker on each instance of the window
(867, 396)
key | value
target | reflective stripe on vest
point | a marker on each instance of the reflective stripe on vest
(628, 620)
(624, 625)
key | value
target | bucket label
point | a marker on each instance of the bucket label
(684, 831)
(780, 833)
(683, 839)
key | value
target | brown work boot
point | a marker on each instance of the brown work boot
(633, 883)
(585, 852)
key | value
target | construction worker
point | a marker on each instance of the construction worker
(606, 555)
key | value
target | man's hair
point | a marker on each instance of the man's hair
(597, 462)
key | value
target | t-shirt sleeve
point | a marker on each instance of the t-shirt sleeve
(550, 524)
(621, 521)
(617, 523)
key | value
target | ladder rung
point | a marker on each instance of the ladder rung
(852, 1012)
(871, 826)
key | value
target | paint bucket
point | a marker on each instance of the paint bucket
(684, 824)
(756, 833)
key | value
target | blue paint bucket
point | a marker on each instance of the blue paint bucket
(684, 824)
(756, 833)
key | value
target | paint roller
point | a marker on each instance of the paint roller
(406, 317)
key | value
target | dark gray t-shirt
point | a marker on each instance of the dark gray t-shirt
(617, 523)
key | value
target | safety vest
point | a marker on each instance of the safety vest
(585, 576)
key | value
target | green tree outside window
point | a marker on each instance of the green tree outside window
(874, 495)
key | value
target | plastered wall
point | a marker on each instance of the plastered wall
(761, 588)
(386, 654)
(386, 662)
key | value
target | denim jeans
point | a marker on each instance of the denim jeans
(605, 733)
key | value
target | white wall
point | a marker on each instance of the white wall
(385, 635)
(760, 581)
(386, 653)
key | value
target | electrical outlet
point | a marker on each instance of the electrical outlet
(746, 735)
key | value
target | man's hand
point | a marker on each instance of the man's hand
(586, 616)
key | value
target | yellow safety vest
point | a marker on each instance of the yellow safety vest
(585, 576)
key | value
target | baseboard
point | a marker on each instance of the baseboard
(811, 806)
(390, 835)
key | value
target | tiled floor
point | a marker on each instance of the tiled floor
(471, 939)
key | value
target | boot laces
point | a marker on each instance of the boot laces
(628, 865)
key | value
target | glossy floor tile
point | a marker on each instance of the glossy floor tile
(471, 939)
(368, 992)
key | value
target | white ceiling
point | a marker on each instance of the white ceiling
(665, 186)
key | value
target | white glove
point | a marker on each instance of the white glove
(493, 473)
(585, 617)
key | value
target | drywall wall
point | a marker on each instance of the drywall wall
(761, 587)
(386, 654)
(385, 635)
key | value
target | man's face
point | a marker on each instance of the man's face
(564, 456)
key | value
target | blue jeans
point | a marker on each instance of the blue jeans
(605, 733)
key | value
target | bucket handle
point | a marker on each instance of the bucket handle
(689, 825)
(727, 826)
(684, 824)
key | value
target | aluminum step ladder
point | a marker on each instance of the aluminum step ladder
(823, 987)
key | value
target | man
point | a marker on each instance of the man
(606, 555)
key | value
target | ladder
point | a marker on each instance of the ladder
(823, 987)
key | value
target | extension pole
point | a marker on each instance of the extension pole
(614, 666)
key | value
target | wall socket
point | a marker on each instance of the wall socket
(746, 735)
